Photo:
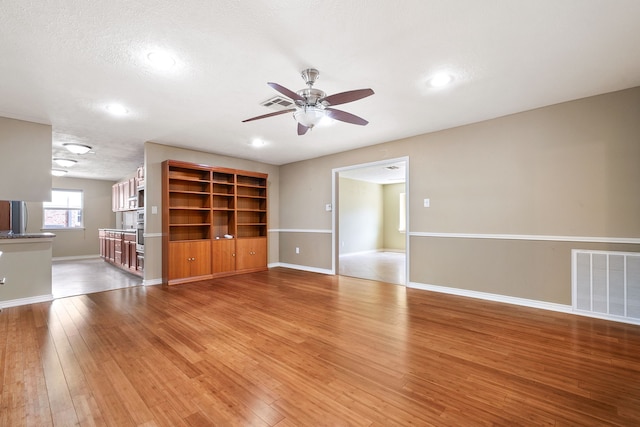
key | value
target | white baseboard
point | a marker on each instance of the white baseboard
(25, 301)
(301, 267)
(562, 308)
(493, 297)
(76, 257)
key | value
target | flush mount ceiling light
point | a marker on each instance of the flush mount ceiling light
(116, 109)
(77, 148)
(58, 172)
(65, 163)
(440, 80)
(161, 60)
(258, 143)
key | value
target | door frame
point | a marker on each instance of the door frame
(335, 252)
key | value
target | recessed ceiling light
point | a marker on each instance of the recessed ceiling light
(117, 109)
(161, 60)
(441, 79)
(58, 172)
(65, 163)
(76, 148)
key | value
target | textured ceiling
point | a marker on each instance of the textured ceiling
(63, 61)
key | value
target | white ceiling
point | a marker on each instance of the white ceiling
(63, 61)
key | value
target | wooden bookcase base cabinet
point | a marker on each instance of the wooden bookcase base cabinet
(189, 261)
(214, 222)
(251, 254)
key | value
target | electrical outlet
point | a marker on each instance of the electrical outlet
(327, 207)
(297, 250)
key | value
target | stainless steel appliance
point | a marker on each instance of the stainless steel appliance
(140, 230)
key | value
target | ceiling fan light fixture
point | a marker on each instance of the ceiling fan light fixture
(77, 148)
(65, 163)
(309, 116)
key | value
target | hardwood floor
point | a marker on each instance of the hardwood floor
(285, 347)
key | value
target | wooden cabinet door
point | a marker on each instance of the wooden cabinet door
(115, 198)
(5, 215)
(125, 254)
(251, 253)
(189, 259)
(123, 195)
(223, 255)
(200, 258)
(179, 264)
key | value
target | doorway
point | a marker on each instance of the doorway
(369, 221)
(86, 276)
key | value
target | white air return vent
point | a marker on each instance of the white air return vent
(278, 103)
(607, 283)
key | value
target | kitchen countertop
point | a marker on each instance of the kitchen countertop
(27, 236)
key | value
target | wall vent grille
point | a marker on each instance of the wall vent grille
(606, 283)
(278, 103)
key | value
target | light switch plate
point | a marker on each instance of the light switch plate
(327, 207)
(427, 203)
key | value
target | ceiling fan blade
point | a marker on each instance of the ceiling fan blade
(302, 129)
(286, 92)
(349, 96)
(264, 116)
(343, 116)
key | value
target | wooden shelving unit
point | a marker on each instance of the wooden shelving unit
(214, 221)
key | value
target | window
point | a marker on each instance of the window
(64, 210)
(402, 223)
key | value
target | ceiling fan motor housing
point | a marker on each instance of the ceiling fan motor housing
(311, 96)
(310, 75)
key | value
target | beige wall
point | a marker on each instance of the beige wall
(25, 160)
(97, 214)
(566, 170)
(394, 240)
(154, 155)
(313, 253)
(361, 218)
(26, 266)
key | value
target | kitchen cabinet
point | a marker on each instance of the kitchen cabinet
(124, 195)
(220, 208)
(118, 247)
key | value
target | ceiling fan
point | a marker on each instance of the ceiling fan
(313, 104)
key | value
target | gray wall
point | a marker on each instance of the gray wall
(565, 170)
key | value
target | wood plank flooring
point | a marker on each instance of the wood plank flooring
(291, 348)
